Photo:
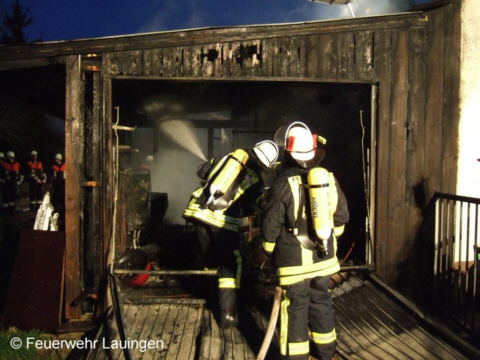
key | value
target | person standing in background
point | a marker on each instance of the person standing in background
(37, 179)
(13, 179)
(58, 185)
(148, 164)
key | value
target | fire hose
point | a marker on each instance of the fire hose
(271, 325)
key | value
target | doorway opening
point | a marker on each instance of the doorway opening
(181, 123)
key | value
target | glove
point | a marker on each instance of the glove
(259, 257)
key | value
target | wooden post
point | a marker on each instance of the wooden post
(74, 114)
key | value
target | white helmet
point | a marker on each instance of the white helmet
(267, 153)
(149, 158)
(33, 152)
(58, 156)
(11, 154)
(2, 155)
(300, 143)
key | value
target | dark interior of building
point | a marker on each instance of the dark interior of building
(225, 115)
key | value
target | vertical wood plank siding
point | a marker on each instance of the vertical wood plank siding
(415, 184)
(397, 163)
(311, 56)
(382, 72)
(434, 101)
(451, 115)
(327, 58)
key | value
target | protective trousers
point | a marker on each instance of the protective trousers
(9, 195)
(220, 248)
(36, 195)
(305, 303)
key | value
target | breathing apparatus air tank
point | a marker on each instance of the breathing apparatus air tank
(323, 201)
(226, 175)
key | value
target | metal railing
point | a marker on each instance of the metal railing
(456, 288)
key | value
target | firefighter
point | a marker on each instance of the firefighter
(299, 233)
(12, 179)
(233, 189)
(37, 179)
(58, 183)
(148, 164)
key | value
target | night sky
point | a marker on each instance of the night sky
(77, 19)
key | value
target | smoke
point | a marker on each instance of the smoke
(174, 173)
(323, 11)
(379, 7)
(183, 135)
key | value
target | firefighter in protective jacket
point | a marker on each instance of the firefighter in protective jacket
(233, 189)
(58, 184)
(37, 179)
(12, 179)
(305, 212)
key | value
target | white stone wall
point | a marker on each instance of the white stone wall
(468, 183)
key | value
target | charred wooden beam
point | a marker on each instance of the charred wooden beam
(207, 36)
(29, 63)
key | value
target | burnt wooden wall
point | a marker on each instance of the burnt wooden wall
(74, 121)
(411, 59)
(417, 103)
(390, 53)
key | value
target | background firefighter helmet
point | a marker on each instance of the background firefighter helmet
(10, 154)
(267, 153)
(2, 155)
(59, 156)
(33, 153)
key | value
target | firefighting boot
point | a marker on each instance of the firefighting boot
(228, 319)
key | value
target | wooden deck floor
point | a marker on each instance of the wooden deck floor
(370, 325)
(186, 331)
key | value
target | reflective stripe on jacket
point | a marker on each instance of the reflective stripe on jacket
(197, 211)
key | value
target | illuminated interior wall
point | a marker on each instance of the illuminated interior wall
(468, 183)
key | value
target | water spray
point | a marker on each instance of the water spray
(183, 135)
(351, 10)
